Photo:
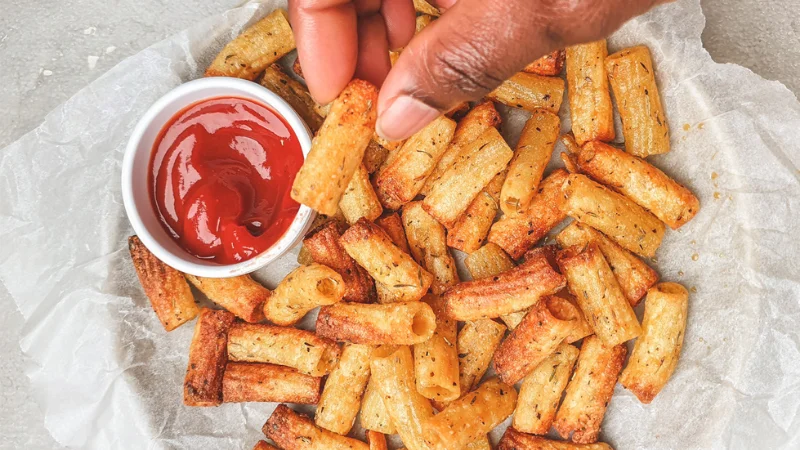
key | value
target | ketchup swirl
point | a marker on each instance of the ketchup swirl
(220, 175)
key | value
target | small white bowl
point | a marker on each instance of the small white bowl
(136, 163)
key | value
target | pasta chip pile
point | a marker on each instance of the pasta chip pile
(400, 340)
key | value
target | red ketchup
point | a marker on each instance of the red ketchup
(220, 175)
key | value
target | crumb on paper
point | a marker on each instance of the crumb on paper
(686, 127)
(701, 125)
(47, 72)
(92, 61)
(110, 49)
(716, 195)
(695, 257)
(714, 175)
(90, 30)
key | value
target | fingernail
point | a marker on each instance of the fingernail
(404, 117)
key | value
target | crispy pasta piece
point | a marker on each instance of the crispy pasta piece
(255, 49)
(541, 391)
(240, 295)
(252, 382)
(396, 270)
(469, 418)
(479, 119)
(549, 65)
(656, 352)
(302, 290)
(295, 94)
(404, 173)
(477, 342)
(613, 214)
(634, 276)
(324, 248)
(207, 358)
(393, 372)
(485, 158)
(337, 149)
(516, 233)
(471, 229)
(644, 125)
(341, 398)
(359, 199)
(293, 431)
(589, 391)
(374, 416)
(534, 149)
(394, 323)
(299, 349)
(508, 292)
(590, 107)
(427, 240)
(530, 92)
(541, 331)
(638, 180)
(167, 289)
(436, 360)
(598, 293)
(515, 440)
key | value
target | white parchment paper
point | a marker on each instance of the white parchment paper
(107, 376)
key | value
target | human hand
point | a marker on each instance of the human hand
(470, 50)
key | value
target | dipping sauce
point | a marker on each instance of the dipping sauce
(220, 175)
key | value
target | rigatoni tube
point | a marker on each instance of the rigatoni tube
(253, 382)
(167, 289)
(470, 417)
(300, 349)
(589, 391)
(240, 295)
(541, 391)
(616, 216)
(393, 373)
(207, 358)
(293, 431)
(657, 350)
(341, 398)
(598, 293)
(537, 336)
(302, 290)
(338, 148)
(436, 360)
(394, 323)
(638, 180)
(373, 250)
(634, 276)
(508, 292)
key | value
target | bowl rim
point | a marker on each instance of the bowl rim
(229, 87)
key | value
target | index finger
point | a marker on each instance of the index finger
(327, 44)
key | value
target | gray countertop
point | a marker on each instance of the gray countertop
(50, 50)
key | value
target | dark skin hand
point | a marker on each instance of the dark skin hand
(462, 56)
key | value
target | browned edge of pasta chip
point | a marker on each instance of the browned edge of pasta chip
(167, 289)
(208, 355)
(324, 248)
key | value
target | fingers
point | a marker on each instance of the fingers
(373, 50)
(477, 44)
(327, 44)
(399, 16)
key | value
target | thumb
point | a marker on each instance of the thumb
(477, 44)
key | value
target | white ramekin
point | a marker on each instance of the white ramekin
(135, 166)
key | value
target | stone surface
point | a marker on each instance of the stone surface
(50, 50)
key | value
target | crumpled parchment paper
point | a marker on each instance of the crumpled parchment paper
(107, 376)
